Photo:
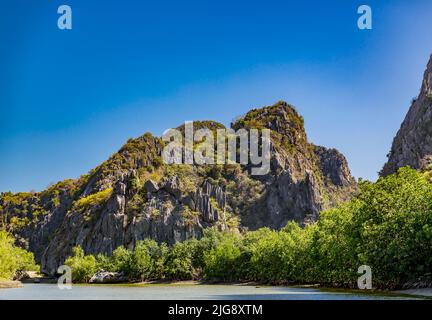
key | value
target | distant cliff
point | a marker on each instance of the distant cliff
(134, 195)
(413, 143)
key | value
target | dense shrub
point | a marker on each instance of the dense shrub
(13, 259)
(120, 260)
(265, 254)
(83, 266)
(180, 262)
(147, 261)
(223, 262)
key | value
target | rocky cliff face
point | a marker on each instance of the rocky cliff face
(134, 195)
(304, 179)
(412, 145)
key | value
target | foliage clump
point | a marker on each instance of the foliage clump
(83, 266)
(13, 258)
(93, 199)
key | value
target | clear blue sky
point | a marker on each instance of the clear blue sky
(69, 99)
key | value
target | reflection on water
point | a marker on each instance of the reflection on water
(178, 292)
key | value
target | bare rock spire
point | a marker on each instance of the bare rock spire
(412, 145)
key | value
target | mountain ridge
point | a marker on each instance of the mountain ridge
(133, 195)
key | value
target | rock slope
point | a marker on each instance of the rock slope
(134, 195)
(412, 145)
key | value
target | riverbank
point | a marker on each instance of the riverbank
(410, 293)
(8, 284)
(424, 292)
(186, 291)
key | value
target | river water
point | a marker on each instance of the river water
(179, 292)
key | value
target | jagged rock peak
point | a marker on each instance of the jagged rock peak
(281, 117)
(427, 80)
(412, 145)
(334, 167)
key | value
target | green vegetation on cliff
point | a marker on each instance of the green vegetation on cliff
(93, 199)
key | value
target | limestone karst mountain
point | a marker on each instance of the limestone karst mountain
(412, 145)
(134, 195)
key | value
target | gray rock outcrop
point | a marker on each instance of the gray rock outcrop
(103, 276)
